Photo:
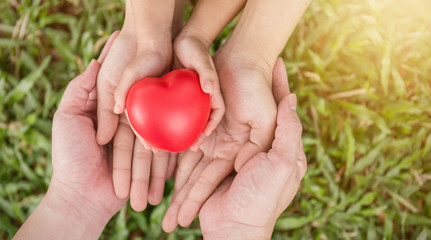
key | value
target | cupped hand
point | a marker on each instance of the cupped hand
(246, 129)
(81, 167)
(136, 170)
(247, 205)
(193, 53)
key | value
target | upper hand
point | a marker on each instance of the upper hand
(247, 205)
(246, 129)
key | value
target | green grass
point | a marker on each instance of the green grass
(361, 69)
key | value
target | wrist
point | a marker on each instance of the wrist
(75, 209)
(58, 218)
(257, 55)
(239, 232)
(240, 66)
(194, 34)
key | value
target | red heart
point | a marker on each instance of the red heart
(170, 112)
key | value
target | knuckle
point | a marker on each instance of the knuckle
(296, 124)
(123, 121)
(204, 181)
(118, 147)
(105, 112)
(140, 180)
(119, 91)
(142, 154)
(121, 169)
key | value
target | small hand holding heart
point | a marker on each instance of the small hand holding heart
(170, 112)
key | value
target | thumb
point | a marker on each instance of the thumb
(78, 91)
(288, 132)
(143, 66)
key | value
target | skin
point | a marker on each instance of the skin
(191, 48)
(243, 208)
(81, 200)
(140, 170)
(137, 171)
(244, 65)
(153, 28)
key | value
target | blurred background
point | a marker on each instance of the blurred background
(361, 69)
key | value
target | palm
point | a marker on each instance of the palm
(243, 111)
(250, 109)
(87, 171)
(82, 169)
(242, 201)
(250, 202)
(246, 129)
(121, 53)
(248, 199)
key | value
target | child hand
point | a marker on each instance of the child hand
(192, 52)
(144, 180)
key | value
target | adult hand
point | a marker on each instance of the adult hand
(247, 205)
(244, 65)
(80, 199)
(246, 129)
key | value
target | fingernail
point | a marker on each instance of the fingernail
(209, 87)
(292, 101)
(117, 108)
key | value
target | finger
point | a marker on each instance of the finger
(187, 164)
(217, 112)
(176, 64)
(172, 164)
(280, 84)
(193, 55)
(195, 145)
(287, 134)
(158, 175)
(145, 143)
(107, 46)
(141, 167)
(91, 106)
(170, 220)
(156, 150)
(302, 161)
(261, 136)
(78, 90)
(107, 121)
(145, 65)
(123, 151)
(221, 189)
(208, 181)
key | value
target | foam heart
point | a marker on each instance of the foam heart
(169, 112)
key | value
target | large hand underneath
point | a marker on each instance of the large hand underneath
(247, 205)
(246, 129)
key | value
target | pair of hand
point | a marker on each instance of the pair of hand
(81, 197)
(244, 65)
(139, 170)
(245, 79)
